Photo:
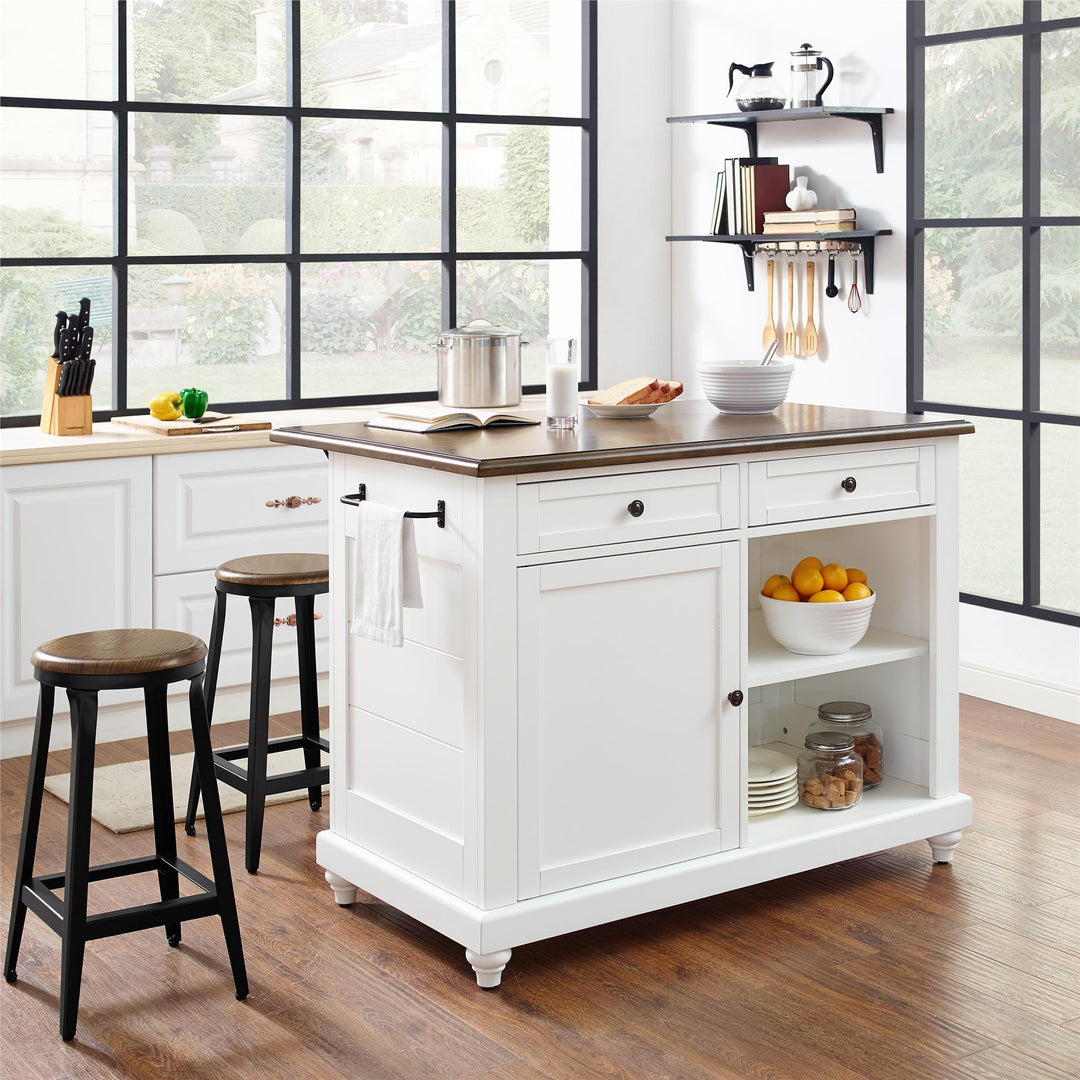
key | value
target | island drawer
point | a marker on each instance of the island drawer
(555, 515)
(833, 485)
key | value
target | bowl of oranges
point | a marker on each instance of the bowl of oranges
(819, 609)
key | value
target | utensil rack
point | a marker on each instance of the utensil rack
(861, 240)
(68, 415)
(361, 496)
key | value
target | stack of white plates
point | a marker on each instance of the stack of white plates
(745, 387)
(772, 781)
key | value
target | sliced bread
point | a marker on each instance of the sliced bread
(628, 392)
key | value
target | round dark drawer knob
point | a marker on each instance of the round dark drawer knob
(736, 698)
(848, 484)
(636, 508)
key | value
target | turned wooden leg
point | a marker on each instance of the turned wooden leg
(344, 891)
(488, 966)
(943, 846)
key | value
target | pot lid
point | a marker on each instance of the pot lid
(480, 328)
(806, 49)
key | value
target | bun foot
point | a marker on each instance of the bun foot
(488, 966)
(944, 845)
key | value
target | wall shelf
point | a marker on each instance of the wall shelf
(749, 121)
(750, 245)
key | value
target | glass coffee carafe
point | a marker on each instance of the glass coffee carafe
(761, 90)
(806, 76)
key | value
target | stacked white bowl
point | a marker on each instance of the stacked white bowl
(746, 386)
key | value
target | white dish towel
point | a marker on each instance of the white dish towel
(386, 573)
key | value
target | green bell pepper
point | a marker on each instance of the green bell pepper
(194, 403)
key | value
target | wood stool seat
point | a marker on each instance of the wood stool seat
(283, 569)
(85, 664)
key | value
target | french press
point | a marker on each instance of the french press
(761, 90)
(806, 65)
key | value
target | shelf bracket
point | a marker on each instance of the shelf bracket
(750, 127)
(874, 121)
(748, 249)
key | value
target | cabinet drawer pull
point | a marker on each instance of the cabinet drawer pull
(293, 501)
(736, 698)
(290, 620)
(636, 508)
(848, 484)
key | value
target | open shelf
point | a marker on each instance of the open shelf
(749, 121)
(771, 663)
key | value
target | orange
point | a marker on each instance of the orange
(774, 583)
(857, 590)
(855, 574)
(807, 580)
(810, 560)
(785, 592)
(834, 576)
(826, 596)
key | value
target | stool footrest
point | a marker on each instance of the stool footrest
(236, 777)
(273, 746)
(40, 899)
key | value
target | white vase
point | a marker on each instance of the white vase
(800, 197)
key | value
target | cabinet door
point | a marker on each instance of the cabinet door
(628, 747)
(76, 557)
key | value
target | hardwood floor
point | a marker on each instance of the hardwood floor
(882, 967)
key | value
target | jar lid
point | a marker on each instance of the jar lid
(844, 712)
(829, 740)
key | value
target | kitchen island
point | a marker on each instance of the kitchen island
(563, 739)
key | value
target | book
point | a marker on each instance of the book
(738, 191)
(424, 417)
(823, 214)
(771, 228)
(718, 221)
(768, 185)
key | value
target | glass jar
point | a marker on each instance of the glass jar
(857, 720)
(830, 771)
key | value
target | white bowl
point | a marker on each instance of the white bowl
(746, 387)
(817, 629)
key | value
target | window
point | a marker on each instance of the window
(284, 202)
(994, 251)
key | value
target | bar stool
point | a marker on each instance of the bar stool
(84, 664)
(262, 579)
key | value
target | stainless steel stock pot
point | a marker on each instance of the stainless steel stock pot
(479, 366)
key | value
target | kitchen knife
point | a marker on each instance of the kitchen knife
(84, 316)
(61, 324)
(86, 342)
(65, 379)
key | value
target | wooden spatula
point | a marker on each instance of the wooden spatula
(809, 334)
(790, 339)
(768, 335)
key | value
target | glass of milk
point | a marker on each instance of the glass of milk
(562, 383)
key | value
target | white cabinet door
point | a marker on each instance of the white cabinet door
(628, 747)
(76, 557)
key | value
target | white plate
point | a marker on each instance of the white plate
(764, 765)
(784, 799)
(772, 791)
(622, 412)
(772, 809)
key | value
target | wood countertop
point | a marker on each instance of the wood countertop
(683, 429)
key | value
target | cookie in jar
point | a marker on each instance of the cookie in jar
(856, 719)
(830, 771)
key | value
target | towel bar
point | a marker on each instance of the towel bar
(361, 496)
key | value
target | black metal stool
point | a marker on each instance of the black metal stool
(83, 664)
(262, 579)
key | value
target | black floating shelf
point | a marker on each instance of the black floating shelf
(749, 121)
(748, 242)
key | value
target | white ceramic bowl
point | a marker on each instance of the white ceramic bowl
(817, 629)
(745, 387)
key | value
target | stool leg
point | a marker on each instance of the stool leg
(262, 636)
(213, 659)
(309, 691)
(35, 786)
(76, 877)
(215, 837)
(157, 743)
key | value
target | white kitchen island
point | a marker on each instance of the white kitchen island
(562, 741)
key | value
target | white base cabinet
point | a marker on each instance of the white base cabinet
(563, 739)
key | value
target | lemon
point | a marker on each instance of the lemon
(786, 592)
(857, 590)
(855, 574)
(826, 596)
(834, 576)
(807, 580)
(774, 583)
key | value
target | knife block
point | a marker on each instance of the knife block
(64, 415)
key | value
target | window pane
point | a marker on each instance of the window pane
(207, 185)
(541, 299)
(972, 317)
(947, 16)
(31, 297)
(1059, 453)
(393, 62)
(519, 188)
(58, 181)
(368, 327)
(217, 327)
(520, 58)
(223, 51)
(1059, 321)
(973, 129)
(62, 49)
(1060, 92)
(991, 510)
(1061, 9)
(371, 186)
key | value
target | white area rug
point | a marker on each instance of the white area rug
(122, 792)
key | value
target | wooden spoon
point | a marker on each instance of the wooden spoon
(809, 334)
(790, 339)
(768, 335)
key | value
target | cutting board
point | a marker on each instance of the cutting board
(241, 422)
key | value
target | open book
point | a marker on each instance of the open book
(425, 416)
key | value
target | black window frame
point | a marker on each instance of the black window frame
(294, 113)
(1030, 414)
